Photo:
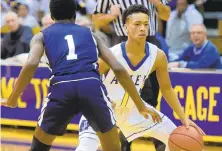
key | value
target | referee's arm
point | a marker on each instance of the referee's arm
(101, 20)
(101, 16)
(162, 8)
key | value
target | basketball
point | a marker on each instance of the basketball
(182, 139)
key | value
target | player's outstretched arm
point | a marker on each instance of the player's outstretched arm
(124, 78)
(161, 66)
(28, 70)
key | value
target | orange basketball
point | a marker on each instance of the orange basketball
(182, 139)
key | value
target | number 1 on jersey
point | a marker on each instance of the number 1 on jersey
(71, 45)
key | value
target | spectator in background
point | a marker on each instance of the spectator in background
(4, 7)
(43, 10)
(17, 40)
(90, 5)
(33, 6)
(172, 4)
(201, 54)
(24, 17)
(163, 44)
(200, 5)
(86, 7)
(178, 27)
(44, 6)
(85, 21)
(47, 21)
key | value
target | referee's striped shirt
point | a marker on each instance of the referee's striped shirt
(103, 6)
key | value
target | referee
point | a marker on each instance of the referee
(108, 11)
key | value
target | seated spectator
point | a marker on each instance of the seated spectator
(17, 40)
(202, 54)
(85, 21)
(3, 8)
(86, 7)
(178, 27)
(47, 21)
(33, 5)
(26, 18)
(172, 4)
(200, 5)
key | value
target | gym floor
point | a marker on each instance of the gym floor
(14, 139)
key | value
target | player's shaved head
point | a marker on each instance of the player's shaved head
(12, 21)
(63, 9)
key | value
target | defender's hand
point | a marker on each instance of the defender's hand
(147, 110)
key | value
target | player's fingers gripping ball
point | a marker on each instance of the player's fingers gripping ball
(185, 139)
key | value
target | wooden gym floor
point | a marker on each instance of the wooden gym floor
(20, 139)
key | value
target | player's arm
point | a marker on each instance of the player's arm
(123, 78)
(161, 66)
(163, 10)
(165, 84)
(28, 70)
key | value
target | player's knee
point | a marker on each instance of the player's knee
(87, 144)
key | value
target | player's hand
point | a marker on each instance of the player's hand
(187, 123)
(148, 110)
(9, 103)
(115, 10)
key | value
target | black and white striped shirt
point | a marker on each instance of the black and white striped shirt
(103, 6)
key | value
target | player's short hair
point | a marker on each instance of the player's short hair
(63, 9)
(136, 8)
